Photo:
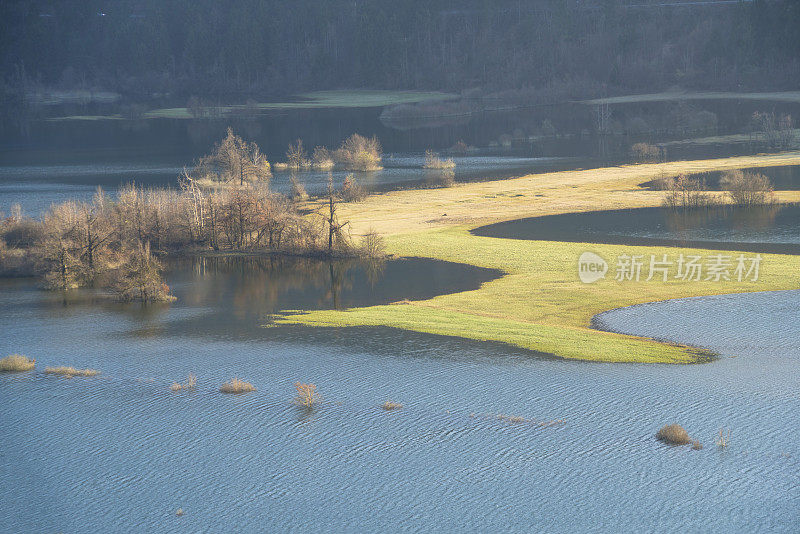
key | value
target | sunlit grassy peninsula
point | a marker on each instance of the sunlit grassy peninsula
(540, 304)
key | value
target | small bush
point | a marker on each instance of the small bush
(673, 434)
(296, 156)
(322, 159)
(358, 153)
(389, 405)
(747, 188)
(372, 245)
(234, 385)
(306, 395)
(191, 382)
(459, 148)
(69, 372)
(646, 153)
(298, 190)
(16, 363)
(352, 190)
(280, 166)
(433, 161)
(443, 178)
(696, 445)
(684, 192)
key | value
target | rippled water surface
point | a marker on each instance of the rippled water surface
(121, 452)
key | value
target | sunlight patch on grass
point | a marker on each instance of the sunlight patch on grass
(540, 304)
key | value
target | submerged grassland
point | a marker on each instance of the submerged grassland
(540, 304)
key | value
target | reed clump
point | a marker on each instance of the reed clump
(191, 382)
(433, 161)
(69, 372)
(673, 434)
(391, 405)
(16, 363)
(723, 438)
(234, 385)
(307, 395)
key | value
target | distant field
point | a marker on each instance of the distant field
(786, 96)
(355, 98)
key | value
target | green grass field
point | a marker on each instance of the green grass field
(540, 304)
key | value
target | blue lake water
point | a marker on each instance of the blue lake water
(121, 452)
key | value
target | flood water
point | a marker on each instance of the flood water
(773, 229)
(122, 452)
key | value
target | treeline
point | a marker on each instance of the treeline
(207, 47)
(110, 242)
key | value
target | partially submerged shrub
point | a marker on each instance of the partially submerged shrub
(359, 153)
(234, 385)
(390, 405)
(322, 159)
(433, 161)
(139, 277)
(685, 192)
(723, 438)
(69, 372)
(459, 148)
(16, 363)
(673, 434)
(747, 188)
(296, 156)
(306, 395)
(191, 382)
(696, 445)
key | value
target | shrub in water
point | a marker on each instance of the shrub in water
(673, 434)
(16, 363)
(69, 372)
(306, 395)
(234, 385)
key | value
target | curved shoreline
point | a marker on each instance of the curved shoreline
(540, 304)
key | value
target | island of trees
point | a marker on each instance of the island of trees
(222, 204)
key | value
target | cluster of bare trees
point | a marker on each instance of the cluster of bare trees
(111, 242)
(356, 153)
(778, 130)
(233, 161)
(742, 188)
(99, 243)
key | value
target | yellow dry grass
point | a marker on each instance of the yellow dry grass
(16, 363)
(234, 385)
(191, 382)
(69, 372)
(391, 405)
(540, 304)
